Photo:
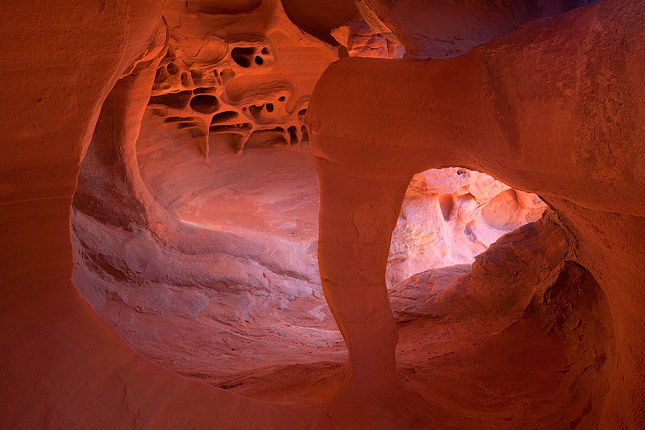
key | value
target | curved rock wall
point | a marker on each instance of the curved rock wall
(575, 113)
(236, 72)
(560, 297)
(190, 257)
(449, 216)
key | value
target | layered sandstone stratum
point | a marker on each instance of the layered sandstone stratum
(293, 215)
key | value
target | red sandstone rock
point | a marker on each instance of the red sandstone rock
(237, 72)
(477, 113)
(362, 41)
(445, 28)
(208, 267)
(449, 216)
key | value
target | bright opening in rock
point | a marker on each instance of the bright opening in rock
(198, 245)
(451, 215)
(284, 215)
(231, 291)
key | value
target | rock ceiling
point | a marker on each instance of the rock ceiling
(338, 214)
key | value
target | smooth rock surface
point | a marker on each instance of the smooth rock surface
(207, 300)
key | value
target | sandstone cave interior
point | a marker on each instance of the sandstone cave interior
(340, 214)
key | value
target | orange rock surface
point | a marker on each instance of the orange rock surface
(213, 218)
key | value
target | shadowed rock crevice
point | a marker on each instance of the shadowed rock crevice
(277, 217)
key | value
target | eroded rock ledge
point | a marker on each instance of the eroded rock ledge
(543, 330)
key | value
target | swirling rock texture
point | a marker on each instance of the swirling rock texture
(156, 159)
(236, 70)
(189, 256)
(448, 216)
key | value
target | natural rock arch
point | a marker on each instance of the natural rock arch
(567, 131)
(64, 368)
